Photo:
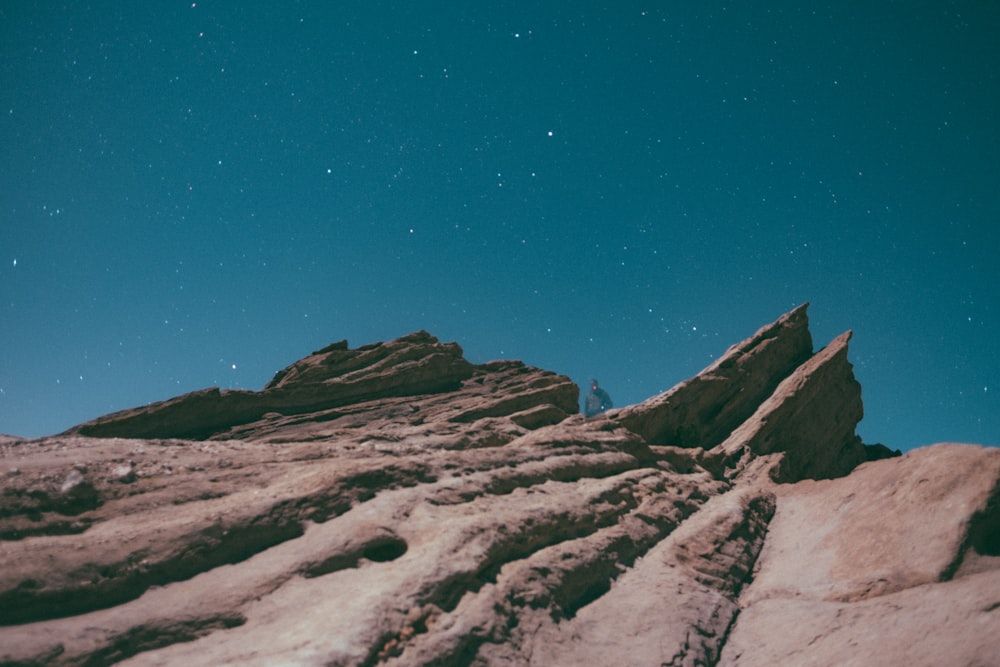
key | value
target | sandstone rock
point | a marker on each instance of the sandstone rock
(335, 376)
(948, 623)
(497, 403)
(396, 505)
(867, 539)
(810, 418)
(703, 411)
(411, 365)
(897, 563)
(676, 605)
(197, 414)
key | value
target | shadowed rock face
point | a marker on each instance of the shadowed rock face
(394, 504)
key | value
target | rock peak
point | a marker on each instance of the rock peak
(332, 377)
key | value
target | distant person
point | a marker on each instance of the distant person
(597, 400)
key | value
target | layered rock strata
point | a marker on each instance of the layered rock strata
(397, 505)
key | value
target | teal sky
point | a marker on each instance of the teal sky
(200, 193)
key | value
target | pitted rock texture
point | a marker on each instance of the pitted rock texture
(397, 505)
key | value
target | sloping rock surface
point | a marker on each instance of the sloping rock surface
(897, 563)
(396, 505)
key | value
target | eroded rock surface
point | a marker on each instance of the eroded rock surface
(332, 377)
(897, 563)
(394, 504)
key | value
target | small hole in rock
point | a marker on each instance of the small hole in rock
(385, 550)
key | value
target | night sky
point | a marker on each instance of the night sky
(200, 193)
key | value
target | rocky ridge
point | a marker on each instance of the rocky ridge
(394, 504)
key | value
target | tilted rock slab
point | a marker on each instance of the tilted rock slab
(396, 505)
(896, 564)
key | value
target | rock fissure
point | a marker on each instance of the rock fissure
(139, 639)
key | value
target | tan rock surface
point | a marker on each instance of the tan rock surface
(397, 505)
(897, 563)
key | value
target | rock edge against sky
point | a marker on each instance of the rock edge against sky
(395, 504)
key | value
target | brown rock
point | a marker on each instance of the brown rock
(703, 411)
(334, 376)
(408, 366)
(810, 418)
(396, 505)
(949, 623)
(497, 403)
(676, 605)
(897, 563)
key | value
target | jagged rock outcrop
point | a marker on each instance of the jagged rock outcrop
(703, 411)
(810, 419)
(397, 505)
(334, 376)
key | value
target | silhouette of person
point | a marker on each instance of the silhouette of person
(597, 400)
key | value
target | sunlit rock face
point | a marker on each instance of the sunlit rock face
(395, 504)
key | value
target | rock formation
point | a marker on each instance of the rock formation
(396, 505)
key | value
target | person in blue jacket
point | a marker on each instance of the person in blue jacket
(597, 400)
